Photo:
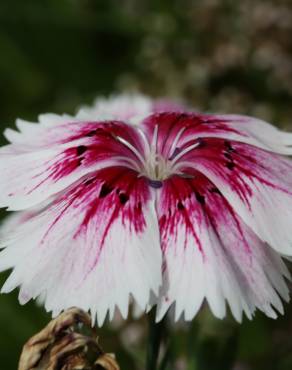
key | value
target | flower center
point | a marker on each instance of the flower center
(153, 165)
(156, 168)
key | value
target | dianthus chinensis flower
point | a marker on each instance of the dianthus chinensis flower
(137, 198)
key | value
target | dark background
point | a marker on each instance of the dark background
(226, 56)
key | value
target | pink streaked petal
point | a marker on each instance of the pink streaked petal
(178, 129)
(96, 244)
(14, 220)
(264, 134)
(257, 183)
(125, 107)
(209, 253)
(44, 136)
(31, 175)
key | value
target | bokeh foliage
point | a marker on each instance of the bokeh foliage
(227, 56)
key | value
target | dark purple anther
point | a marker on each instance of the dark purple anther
(174, 154)
(201, 143)
(156, 184)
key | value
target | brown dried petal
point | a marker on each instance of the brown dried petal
(107, 362)
(59, 346)
(34, 349)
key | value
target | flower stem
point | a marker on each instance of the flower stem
(155, 336)
(167, 357)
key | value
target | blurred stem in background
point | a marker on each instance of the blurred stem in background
(157, 336)
(212, 344)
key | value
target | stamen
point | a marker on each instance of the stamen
(174, 144)
(146, 142)
(183, 152)
(183, 164)
(154, 139)
(129, 163)
(174, 154)
(154, 166)
(153, 149)
(132, 148)
(186, 175)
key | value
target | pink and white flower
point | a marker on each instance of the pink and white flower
(140, 199)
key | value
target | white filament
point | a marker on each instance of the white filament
(183, 152)
(151, 164)
(132, 148)
(174, 144)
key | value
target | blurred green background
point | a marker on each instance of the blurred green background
(227, 56)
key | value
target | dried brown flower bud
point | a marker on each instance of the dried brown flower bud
(61, 346)
(107, 362)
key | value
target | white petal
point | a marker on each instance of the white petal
(211, 254)
(257, 184)
(263, 134)
(91, 248)
(43, 167)
(122, 107)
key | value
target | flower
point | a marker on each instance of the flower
(134, 198)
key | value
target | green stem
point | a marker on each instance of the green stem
(166, 357)
(155, 336)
